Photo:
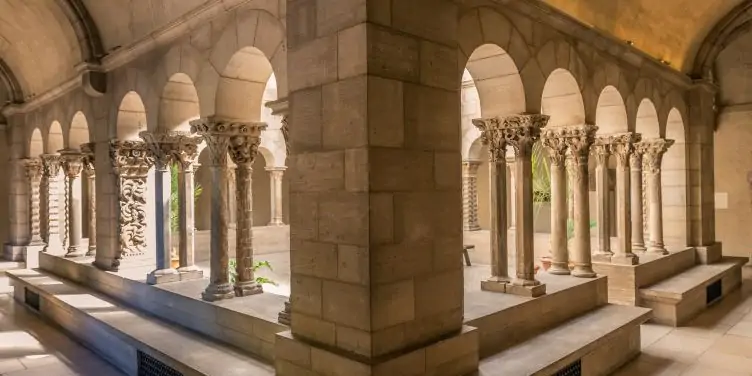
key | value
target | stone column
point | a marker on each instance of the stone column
(601, 151)
(622, 147)
(243, 150)
(579, 142)
(186, 159)
(492, 135)
(636, 201)
(554, 141)
(232, 203)
(72, 163)
(51, 187)
(90, 172)
(654, 150)
(470, 195)
(275, 175)
(33, 169)
(131, 162)
(510, 166)
(162, 147)
(521, 132)
(217, 133)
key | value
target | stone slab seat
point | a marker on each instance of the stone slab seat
(603, 339)
(11, 265)
(116, 332)
(678, 299)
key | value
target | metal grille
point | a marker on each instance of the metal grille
(574, 369)
(713, 292)
(151, 366)
(32, 299)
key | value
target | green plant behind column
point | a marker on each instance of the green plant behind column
(541, 178)
(174, 202)
(257, 265)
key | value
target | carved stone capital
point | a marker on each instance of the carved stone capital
(555, 143)
(653, 151)
(33, 169)
(187, 150)
(162, 146)
(623, 147)
(579, 139)
(221, 134)
(470, 168)
(72, 162)
(601, 150)
(51, 164)
(492, 136)
(130, 159)
(522, 131)
(87, 150)
(243, 149)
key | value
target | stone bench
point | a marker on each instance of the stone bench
(125, 338)
(597, 343)
(680, 298)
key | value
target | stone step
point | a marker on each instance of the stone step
(678, 299)
(11, 265)
(601, 341)
(122, 335)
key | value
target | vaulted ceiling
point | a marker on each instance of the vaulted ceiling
(671, 30)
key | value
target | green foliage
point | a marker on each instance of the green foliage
(541, 178)
(174, 203)
(257, 265)
(570, 228)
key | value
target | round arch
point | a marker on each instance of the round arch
(646, 121)
(674, 184)
(55, 140)
(611, 112)
(131, 117)
(79, 131)
(178, 104)
(562, 99)
(242, 85)
(36, 143)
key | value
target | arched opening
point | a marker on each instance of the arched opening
(131, 118)
(646, 122)
(55, 138)
(562, 99)
(178, 104)
(78, 134)
(36, 144)
(242, 84)
(262, 190)
(674, 184)
(611, 113)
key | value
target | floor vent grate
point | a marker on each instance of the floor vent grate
(713, 292)
(32, 299)
(151, 366)
(574, 369)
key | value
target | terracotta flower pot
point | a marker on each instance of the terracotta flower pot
(545, 262)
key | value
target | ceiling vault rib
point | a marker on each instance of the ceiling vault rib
(85, 28)
(723, 33)
(11, 83)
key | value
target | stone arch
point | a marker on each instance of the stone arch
(674, 183)
(178, 104)
(241, 85)
(79, 131)
(646, 120)
(267, 156)
(562, 99)
(131, 117)
(611, 112)
(36, 143)
(55, 139)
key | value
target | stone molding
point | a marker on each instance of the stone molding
(162, 146)
(131, 161)
(72, 162)
(222, 134)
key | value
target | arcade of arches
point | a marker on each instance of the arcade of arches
(373, 187)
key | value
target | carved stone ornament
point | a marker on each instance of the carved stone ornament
(285, 129)
(187, 150)
(555, 143)
(580, 138)
(623, 146)
(492, 136)
(33, 169)
(653, 151)
(162, 146)
(522, 131)
(601, 150)
(51, 164)
(220, 135)
(87, 150)
(130, 158)
(72, 162)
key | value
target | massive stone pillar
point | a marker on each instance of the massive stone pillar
(217, 134)
(521, 132)
(653, 155)
(622, 147)
(275, 179)
(636, 200)
(186, 155)
(131, 161)
(554, 140)
(51, 186)
(492, 135)
(72, 163)
(162, 147)
(470, 195)
(375, 190)
(33, 167)
(601, 151)
(90, 172)
(243, 150)
(581, 137)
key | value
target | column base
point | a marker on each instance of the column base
(285, 315)
(625, 259)
(91, 252)
(160, 276)
(55, 247)
(108, 264)
(14, 252)
(276, 223)
(454, 355)
(74, 251)
(189, 273)
(531, 291)
(658, 249)
(248, 288)
(215, 292)
(638, 248)
(583, 271)
(709, 254)
(603, 256)
(559, 268)
(31, 255)
(471, 228)
(495, 284)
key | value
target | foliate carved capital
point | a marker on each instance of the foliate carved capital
(523, 131)
(187, 150)
(130, 159)
(87, 150)
(470, 168)
(162, 146)
(579, 140)
(243, 149)
(554, 141)
(492, 136)
(222, 134)
(51, 164)
(33, 169)
(623, 147)
(601, 150)
(72, 162)
(653, 151)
